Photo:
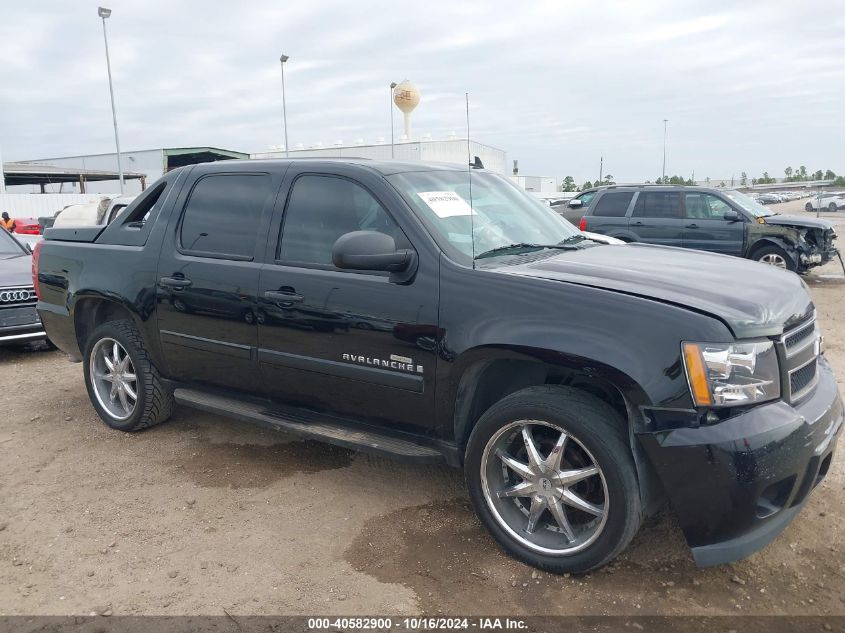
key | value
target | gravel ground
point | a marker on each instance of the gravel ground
(204, 514)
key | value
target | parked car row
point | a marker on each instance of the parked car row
(831, 201)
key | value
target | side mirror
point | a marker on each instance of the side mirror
(575, 204)
(732, 216)
(370, 250)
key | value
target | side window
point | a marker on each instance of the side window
(613, 205)
(587, 198)
(322, 208)
(222, 214)
(718, 207)
(658, 204)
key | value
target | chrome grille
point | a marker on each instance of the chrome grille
(800, 349)
(17, 296)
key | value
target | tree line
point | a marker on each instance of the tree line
(791, 175)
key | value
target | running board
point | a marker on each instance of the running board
(309, 425)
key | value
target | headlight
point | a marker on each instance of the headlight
(726, 375)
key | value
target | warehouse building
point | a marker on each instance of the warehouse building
(451, 150)
(152, 163)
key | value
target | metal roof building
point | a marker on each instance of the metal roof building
(150, 163)
(451, 150)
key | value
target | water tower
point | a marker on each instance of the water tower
(406, 96)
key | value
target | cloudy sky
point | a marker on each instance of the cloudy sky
(746, 86)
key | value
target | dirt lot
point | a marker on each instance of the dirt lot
(204, 514)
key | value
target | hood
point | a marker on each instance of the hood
(752, 299)
(15, 270)
(799, 221)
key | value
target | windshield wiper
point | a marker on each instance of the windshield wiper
(504, 250)
(575, 239)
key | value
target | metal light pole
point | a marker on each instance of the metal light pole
(393, 85)
(104, 13)
(283, 59)
(663, 179)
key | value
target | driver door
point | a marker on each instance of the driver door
(706, 228)
(352, 343)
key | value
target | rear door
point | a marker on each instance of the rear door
(356, 344)
(705, 226)
(656, 218)
(208, 276)
(608, 215)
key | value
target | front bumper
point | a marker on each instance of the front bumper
(20, 324)
(737, 484)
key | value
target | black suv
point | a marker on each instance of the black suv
(720, 221)
(404, 309)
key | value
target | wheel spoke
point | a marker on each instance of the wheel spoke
(107, 361)
(522, 489)
(107, 377)
(538, 506)
(554, 459)
(115, 351)
(115, 387)
(534, 458)
(572, 499)
(129, 377)
(559, 513)
(130, 391)
(124, 400)
(523, 470)
(570, 477)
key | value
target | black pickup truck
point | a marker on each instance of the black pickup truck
(439, 314)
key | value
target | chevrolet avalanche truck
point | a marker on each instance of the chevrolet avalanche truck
(434, 313)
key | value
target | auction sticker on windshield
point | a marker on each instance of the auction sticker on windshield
(446, 204)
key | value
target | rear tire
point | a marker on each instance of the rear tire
(585, 506)
(774, 256)
(832, 206)
(124, 386)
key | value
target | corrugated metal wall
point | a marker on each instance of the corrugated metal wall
(448, 151)
(34, 205)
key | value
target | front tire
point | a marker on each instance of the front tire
(809, 207)
(832, 206)
(551, 476)
(124, 386)
(774, 256)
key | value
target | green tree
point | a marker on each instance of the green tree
(829, 175)
(788, 172)
(568, 184)
(743, 179)
(802, 172)
(608, 180)
(819, 175)
(839, 181)
(586, 185)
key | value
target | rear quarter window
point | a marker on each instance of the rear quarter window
(612, 205)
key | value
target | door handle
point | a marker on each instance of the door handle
(283, 297)
(637, 223)
(175, 282)
(692, 226)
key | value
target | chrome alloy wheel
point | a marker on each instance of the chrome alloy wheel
(544, 487)
(773, 259)
(113, 378)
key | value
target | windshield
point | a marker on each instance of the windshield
(749, 204)
(502, 214)
(8, 245)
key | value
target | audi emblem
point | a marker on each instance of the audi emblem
(16, 296)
